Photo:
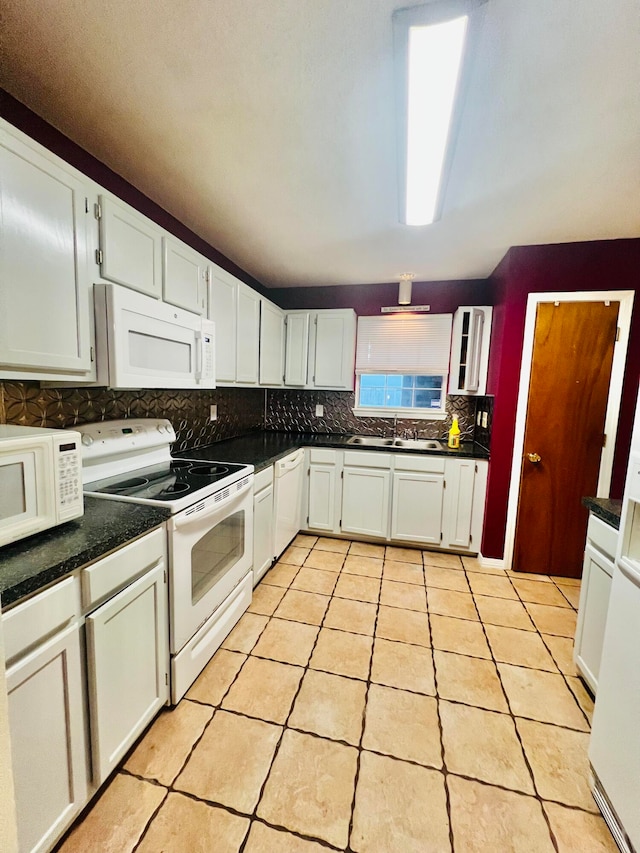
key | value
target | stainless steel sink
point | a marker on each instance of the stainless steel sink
(418, 443)
(370, 440)
(408, 443)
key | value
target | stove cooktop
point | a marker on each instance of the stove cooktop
(168, 482)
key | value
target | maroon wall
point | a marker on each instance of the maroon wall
(367, 299)
(35, 127)
(599, 265)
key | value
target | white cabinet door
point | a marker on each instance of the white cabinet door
(459, 503)
(222, 310)
(248, 336)
(296, 349)
(46, 721)
(595, 592)
(262, 532)
(127, 667)
(271, 344)
(130, 246)
(184, 276)
(45, 326)
(322, 497)
(365, 501)
(335, 349)
(417, 507)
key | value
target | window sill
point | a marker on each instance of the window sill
(400, 414)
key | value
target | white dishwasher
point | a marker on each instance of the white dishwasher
(287, 499)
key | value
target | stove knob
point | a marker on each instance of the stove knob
(87, 440)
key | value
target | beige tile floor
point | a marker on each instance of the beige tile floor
(371, 700)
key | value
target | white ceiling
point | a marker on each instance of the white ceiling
(267, 126)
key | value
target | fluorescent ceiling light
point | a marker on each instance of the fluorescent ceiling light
(434, 59)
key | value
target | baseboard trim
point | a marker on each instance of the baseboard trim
(491, 562)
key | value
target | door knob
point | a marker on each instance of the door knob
(534, 457)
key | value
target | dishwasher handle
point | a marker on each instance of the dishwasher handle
(289, 463)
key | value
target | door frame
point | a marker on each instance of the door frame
(625, 298)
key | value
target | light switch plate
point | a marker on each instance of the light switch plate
(319, 410)
(213, 413)
(485, 419)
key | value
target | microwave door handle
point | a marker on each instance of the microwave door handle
(199, 342)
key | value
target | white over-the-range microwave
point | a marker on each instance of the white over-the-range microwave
(144, 343)
(40, 480)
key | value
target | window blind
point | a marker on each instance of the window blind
(404, 344)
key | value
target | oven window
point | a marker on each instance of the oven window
(216, 553)
(13, 501)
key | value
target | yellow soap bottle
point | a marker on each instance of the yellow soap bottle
(454, 435)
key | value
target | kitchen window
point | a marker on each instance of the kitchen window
(402, 365)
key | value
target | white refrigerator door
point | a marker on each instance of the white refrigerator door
(614, 749)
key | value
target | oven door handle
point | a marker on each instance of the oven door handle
(186, 518)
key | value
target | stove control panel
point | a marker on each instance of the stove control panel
(118, 446)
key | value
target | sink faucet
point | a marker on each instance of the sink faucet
(395, 426)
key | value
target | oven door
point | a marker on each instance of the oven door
(143, 343)
(210, 552)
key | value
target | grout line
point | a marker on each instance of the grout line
(253, 817)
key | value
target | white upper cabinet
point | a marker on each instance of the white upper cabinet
(271, 344)
(235, 309)
(247, 335)
(470, 350)
(223, 290)
(334, 347)
(296, 348)
(321, 349)
(130, 247)
(184, 276)
(45, 320)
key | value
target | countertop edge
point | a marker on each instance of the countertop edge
(238, 449)
(606, 509)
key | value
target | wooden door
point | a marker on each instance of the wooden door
(564, 431)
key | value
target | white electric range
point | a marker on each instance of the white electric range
(210, 531)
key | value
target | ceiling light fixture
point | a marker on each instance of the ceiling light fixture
(431, 46)
(404, 288)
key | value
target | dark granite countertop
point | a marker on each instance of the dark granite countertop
(33, 563)
(605, 509)
(264, 447)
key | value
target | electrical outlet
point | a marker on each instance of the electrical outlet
(213, 413)
(485, 419)
(319, 410)
(478, 417)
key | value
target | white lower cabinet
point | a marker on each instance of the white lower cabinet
(127, 668)
(119, 674)
(366, 482)
(463, 516)
(48, 750)
(263, 548)
(595, 591)
(404, 498)
(418, 491)
(324, 498)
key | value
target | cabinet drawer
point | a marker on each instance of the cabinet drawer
(40, 617)
(262, 479)
(423, 464)
(112, 573)
(364, 459)
(603, 536)
(322, 455)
